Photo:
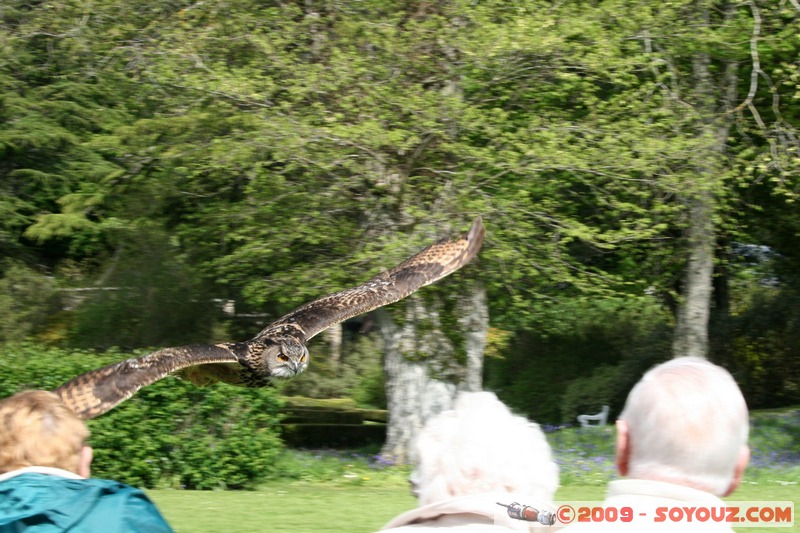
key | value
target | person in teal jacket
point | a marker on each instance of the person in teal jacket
(44, 475)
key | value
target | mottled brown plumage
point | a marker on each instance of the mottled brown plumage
(279, 350)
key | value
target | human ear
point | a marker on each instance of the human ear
(85, 462)
(738, 471)
(623, 447)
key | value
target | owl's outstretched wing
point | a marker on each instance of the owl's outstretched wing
(427, 266)
(95, 392)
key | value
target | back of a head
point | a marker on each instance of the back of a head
(481, 446)
(38, 429)
(687, 421)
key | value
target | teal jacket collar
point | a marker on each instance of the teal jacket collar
(38, 502)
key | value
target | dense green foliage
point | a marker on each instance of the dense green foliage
(170, 434)
(156, 299)
(600, 350)
(592, 357)
(178, 436)
(27, 299)
(159, 156)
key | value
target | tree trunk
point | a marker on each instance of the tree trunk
(694, 310)
(691, 326)
(474, 323)
(423, 374)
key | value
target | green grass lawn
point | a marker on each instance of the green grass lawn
(295, 507)
(284, 507)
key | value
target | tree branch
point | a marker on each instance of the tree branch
(756, 70)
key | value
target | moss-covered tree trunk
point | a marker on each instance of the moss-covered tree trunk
(425, 367)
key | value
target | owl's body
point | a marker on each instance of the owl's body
(279, 350)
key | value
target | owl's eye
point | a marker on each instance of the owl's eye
(303, 358)
(282, 357)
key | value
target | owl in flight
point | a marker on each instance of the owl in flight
(279, 350)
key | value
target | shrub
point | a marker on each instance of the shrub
(587, 395)
(153, 299)
(170, 433)
(26, 299)
(766, 348)
(539, 366)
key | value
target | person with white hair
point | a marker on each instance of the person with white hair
(681, 442)
(480, 468)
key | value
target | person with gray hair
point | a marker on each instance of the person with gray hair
(480, 468)
(681, 441)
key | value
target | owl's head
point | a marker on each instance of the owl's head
(288, 358)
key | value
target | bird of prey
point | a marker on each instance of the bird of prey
(279, 350)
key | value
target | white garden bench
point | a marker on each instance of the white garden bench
(600, 418)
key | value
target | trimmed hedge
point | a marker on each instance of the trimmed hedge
(331, 423)
(321, 416)
(333, 435)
